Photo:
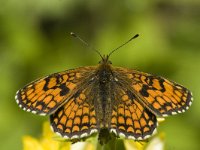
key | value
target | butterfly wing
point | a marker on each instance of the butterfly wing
(44, 96)
(76, 118)
(159, 95)
(130, 118)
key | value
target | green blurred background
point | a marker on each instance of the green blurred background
(35, 42)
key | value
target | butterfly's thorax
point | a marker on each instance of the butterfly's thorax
(104, 73)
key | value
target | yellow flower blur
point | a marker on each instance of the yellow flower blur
(46, 142)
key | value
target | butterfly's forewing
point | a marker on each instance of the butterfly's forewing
(161, 96)
(76, 118)
(44, 96)
(130, 118)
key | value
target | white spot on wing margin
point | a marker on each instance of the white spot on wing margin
(74, 136)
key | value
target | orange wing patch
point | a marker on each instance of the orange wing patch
(76, 119)
(131, 119)
(44, 96)
(161, 96)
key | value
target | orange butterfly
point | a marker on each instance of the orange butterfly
(103, 98)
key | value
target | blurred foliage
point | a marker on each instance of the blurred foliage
(35, 41)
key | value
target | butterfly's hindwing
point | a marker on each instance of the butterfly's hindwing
(76, 118)
(130, 118)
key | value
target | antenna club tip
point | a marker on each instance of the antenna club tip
(135, 36)
(73, 34)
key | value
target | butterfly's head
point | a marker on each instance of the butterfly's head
(105, 60)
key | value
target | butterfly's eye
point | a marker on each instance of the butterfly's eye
(109, 62)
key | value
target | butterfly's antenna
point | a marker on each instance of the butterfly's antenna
(85, 43)
(135, 36)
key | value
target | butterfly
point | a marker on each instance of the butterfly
(104, 99)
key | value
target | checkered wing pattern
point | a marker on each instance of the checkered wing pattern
(76, 118)
(44, 96)
(130, 118)
(159, 95)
